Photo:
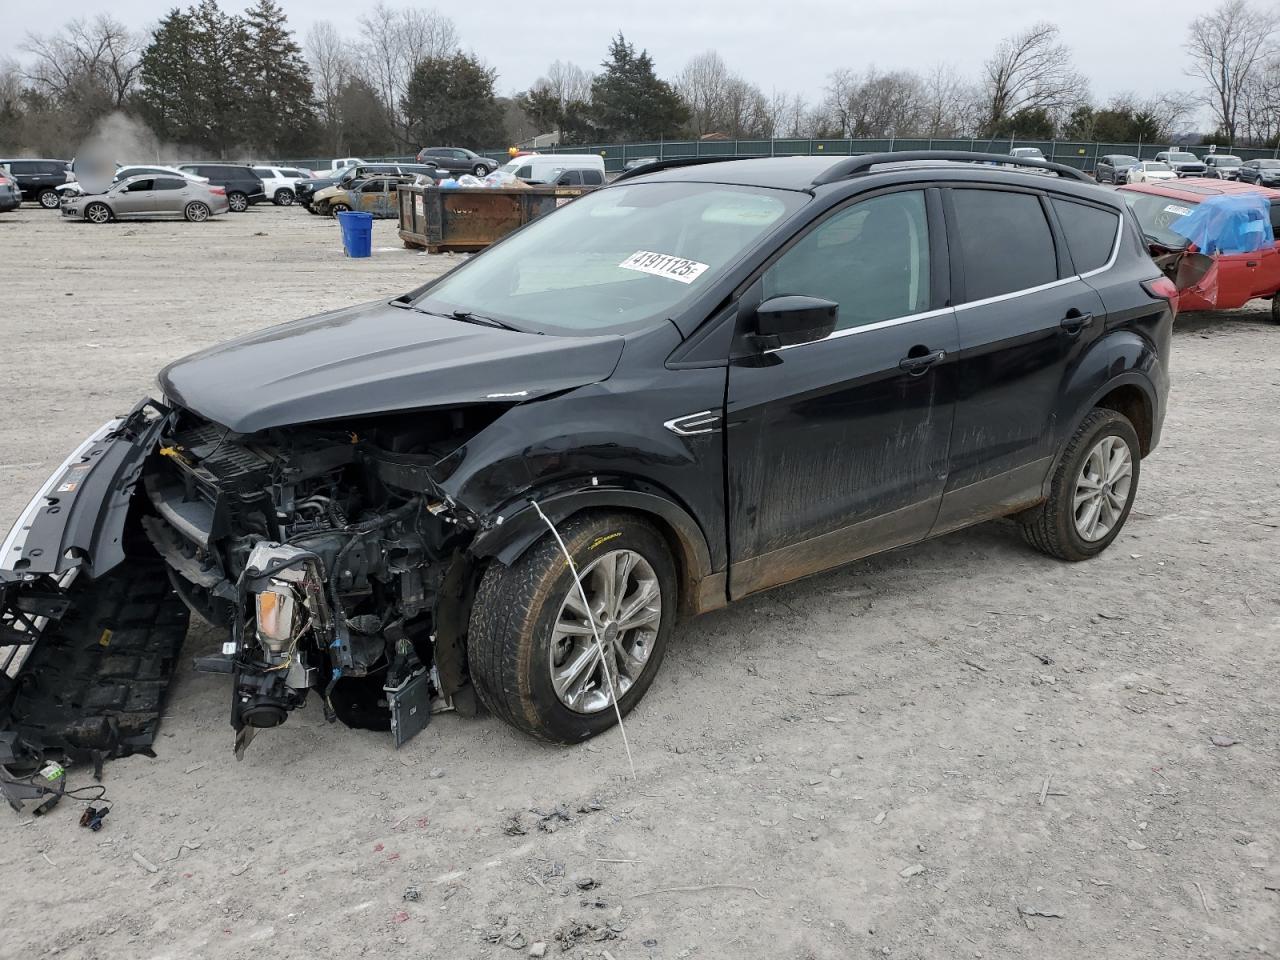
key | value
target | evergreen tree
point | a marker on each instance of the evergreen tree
(221, 43)
(364, 122)
(168, 96)
(630, 102)
(278, 101)
(450, 101)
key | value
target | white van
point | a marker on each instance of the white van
(559, 169)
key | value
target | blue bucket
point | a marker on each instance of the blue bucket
(357, 233)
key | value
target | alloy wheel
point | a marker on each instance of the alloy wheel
(238, 202)
(625, 601)
(97, 213)
(1102, 488)
(49, 199)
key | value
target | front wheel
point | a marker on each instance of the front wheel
(97, 213)
(480, 170)
(1092, 490)
(237, 201)
(1275, 309)
(534, 658)
(337, 208)
(283, 198)
(49, 199)
(196, 212)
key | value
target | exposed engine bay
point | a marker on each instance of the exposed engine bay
(326, 552)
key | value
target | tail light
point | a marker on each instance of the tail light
(1162, 288)
(220, 191)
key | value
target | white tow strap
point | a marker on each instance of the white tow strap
(591, 618)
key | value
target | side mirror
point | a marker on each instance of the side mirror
(787, 321)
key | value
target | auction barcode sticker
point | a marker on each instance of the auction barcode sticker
(664, 265)
(1180, 211)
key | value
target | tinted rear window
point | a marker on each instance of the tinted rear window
(22, 166)
(1090, 233)
(1005, 242)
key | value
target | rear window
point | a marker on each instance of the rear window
(592, 178)
(1090, 233)
(22, 166)
(1005, 242)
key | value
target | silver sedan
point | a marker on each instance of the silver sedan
(147, 197)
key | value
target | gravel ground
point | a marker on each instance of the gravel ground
(851, 766)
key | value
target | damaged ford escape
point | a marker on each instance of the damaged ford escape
(697, 383)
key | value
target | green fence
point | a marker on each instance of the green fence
(617, 155)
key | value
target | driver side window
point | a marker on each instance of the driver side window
(871, 258)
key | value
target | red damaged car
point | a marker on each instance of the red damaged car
(1216, 239)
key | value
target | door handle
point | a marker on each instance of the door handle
(1075, 321)
(1251, 263)
(916, 365)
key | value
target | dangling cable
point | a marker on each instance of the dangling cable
(591, 618)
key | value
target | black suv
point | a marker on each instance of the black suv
(243, 186)
(306, 189)
(458, 160)
(699, 382)
(1114, 168)
(39, 179)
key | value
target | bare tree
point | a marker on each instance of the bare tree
(85, 58)
(952, 105)
(703, 85)
(875, 104)
(788, 114)
(331, 67)
(567, 82)
(394, 40)
(1227, 47)
(1259, 119)
(1031, 70)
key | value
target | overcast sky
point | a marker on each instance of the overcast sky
(790, 45)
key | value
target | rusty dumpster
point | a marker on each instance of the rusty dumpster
(466, 219)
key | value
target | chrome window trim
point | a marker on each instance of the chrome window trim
(928, 314)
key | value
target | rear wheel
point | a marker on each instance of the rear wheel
(534, 657)
(196, 212)
(97, 213)
(283, 197)
(48, 198)
(238, 202)
(1092, 490)
(1275, 309)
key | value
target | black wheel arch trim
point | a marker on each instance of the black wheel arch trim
(515, 528)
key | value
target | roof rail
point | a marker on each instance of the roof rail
(854, 166)
(675, 162)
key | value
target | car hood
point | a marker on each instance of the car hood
(375, 358)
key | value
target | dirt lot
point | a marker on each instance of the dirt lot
(853, 766)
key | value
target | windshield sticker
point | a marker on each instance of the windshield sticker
(664, 265)
(1180, 211)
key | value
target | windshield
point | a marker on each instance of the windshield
(1183, 158)
(1157, 214)
(1224, 161)
(1268, 164)
(1124, 161)
(1155, 165)
(613, 260)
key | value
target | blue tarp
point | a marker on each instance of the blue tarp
(1233, 223)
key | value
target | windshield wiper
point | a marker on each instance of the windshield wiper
(468, 317)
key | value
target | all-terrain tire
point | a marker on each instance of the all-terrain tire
(95, 683)
(1051, 527)
(283, 197)
(515, 610)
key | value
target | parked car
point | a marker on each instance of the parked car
(280, 183)
(639, 162)
(338, 164)
(1145, 171)
(457, 161)
(307, 189)
(149, 197)
(1263, 172)
(38, 179)
(1221, 166)
(1182, 163)
(1027, 153)
(1114, 168)
(240, 182)
(679, 390)
(561, 169)
(132, 170)
(10, 193)
(1237, 260)
(376, 195)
